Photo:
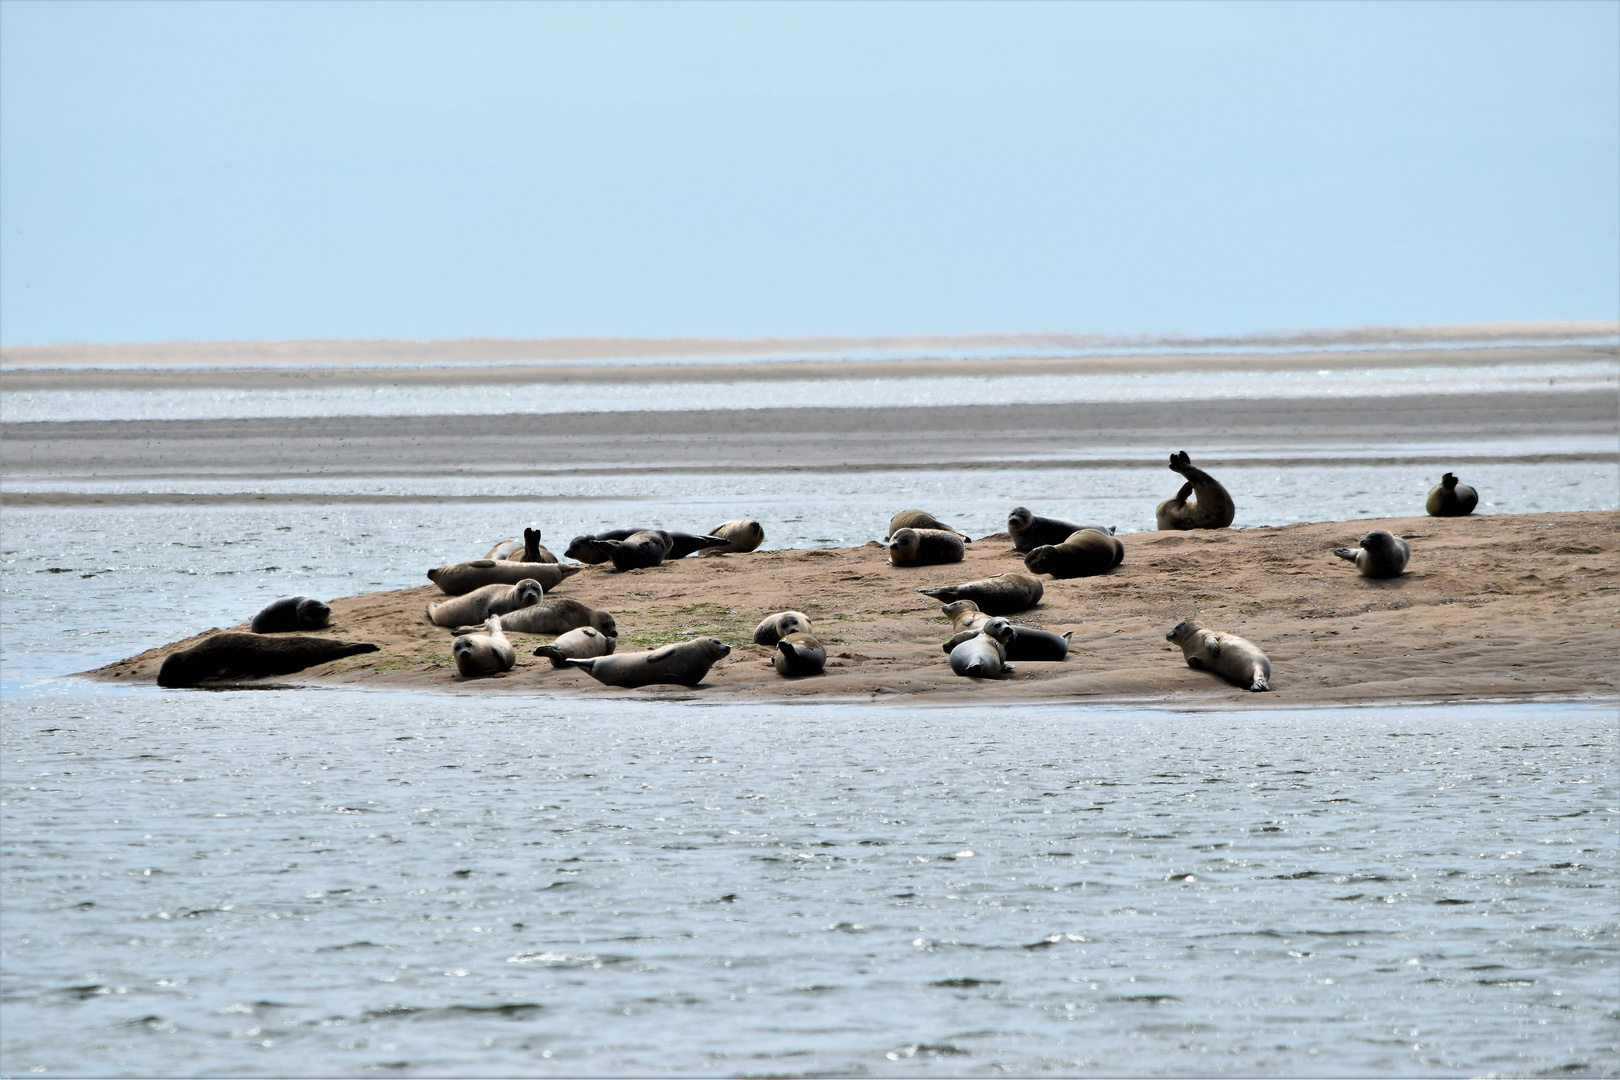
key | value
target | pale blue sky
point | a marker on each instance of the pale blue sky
(272, 171)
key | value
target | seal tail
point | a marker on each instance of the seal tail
(940, 593)
(552, 653)
(588, 665)
(1346, 553)
(1259, 684)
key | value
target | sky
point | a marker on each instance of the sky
(248, 171)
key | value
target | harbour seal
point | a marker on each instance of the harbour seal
(1451, 499)
(480, 604)
(1003, 594)
(1029, 531)
(1381, 554)
(774, 628)
(984, 655)
(683, 544)
(964, 615)
(597, 548)
(922, 519)
(1234, 659)
(459, 578)
(1084, 554)
(580, 644)
(232, 655)
(638, 551)
(291, 613)
(924, 547)
(529, 549)
(799, 654)
(584, 548)
(557, 615)
(1213, 508)
(684, 663)
(1026, 643)
(485, 653)
(744, 534)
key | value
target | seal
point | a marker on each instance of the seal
(744, 534)
(1381, 554)
(799, 654)
(485, 653)
(597, 547)
(684, 663)
(1084, 554)
(579, 644)
(1451, 499)
(232, 655)
(774, 628)
(529, 549)
(291, 613)
(1029, 531)
(480, 604)
(584, 548)
(922, 519)
(1213, 508)
(1026, 643)
(1003, 594)
(924, 547)
(984, 655)
(638, 551)
(458, 578)
(964, 615)
(1234, 659)
(558, 615)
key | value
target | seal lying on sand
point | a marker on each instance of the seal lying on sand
(597, 548)
(774, 628)
(744, 534)
(584, 548)
(799, 654)
(459, 578)
(528, 549)
(964, 615)
(684, 663)
(1381, 554)
(580, 644)
(233, 655)
(922, 519)
(924, 547)
(1083, 554)
(1213, 508)
(1003, 594)
(1026, 643)
(1234, 659)
(638, 551)
(1029, 531)
(484, 653)
(291, 613)
(557, 615)
(480, 604)
(1451, 499)
(984, 655)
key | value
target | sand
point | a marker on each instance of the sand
(1502, 607)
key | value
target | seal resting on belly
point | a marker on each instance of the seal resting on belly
(232, 655)
(459, 578)
(1237, 660)
(924, 547)
(1451, 499)
(1029, 531)
(1213, 508)
(556, 615)
(1003, 594)
(922, 519)
(1026, 643)
(1084, 554)
(1381, 554)
(684, 663)
(580, 644)
(480, 604)
(291, 613)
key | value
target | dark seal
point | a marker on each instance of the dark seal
(291, 613)
(234, 655)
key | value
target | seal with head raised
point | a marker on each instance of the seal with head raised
(1451, 499)
(774, 628)
(480, 604)
(744, 534)
(684, 663)
(291, 613)
(1084, 554)
(1237, 660)
(984, 655)
(483, 653)
(459, 578)
(1381, 554)
(1003, 594)
(579, 644)
(799, 654)
(1026, 643)
(1213, 508)
(922, 519)
(924, 547)
(558, 615)
(964, 615)
(529, 549)
(1029, 531)
(232, 655)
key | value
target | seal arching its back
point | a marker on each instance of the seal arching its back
(1212, 509)
(1451, 499)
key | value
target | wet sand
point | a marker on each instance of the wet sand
(1503, 607)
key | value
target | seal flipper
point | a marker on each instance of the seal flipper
(1346, 553)
(588, 665)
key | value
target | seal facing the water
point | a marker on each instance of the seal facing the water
(291, 613)
(1237, 660)
(232, 655)
(922, 519)
(1451, 499)
(684, 663)
(1212, 509)
(458, 578)
(1381, 554)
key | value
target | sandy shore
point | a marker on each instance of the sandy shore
(1519, 606)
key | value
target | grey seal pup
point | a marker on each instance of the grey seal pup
(1451, 499)
(480, 604)
(744, 534)
(579, 644)
(684, 663)
(1381, 554)
(1029, 531)
(529, 549)
(1026, 643)
(924, 547)
(1237, 660)
(1213, 508)
(984, 655)
(233, 655)
(554, 615)
(459, 578)
(291, 613)
(922, 519)
(1084, 554)
(774, 628)
(484, 653)
(799, 654)
(1002, 594)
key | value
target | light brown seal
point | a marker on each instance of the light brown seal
(744, 534)
(1084, 554)
(1381, 554)
(529, 549)
(579, 644)
(984, 655)
(1213, 508)
(1029, 531)
(964, 615)
(480, 604)
(1003, 594)
(1234, 659)
(1451, 499)
(684, 663)
(558, 615)
(799, 654)
(459, 578)
(922, 519)
(924, 547)
(485, 653)
(774, 628)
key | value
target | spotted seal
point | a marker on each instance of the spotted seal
(1084, 554)
(924, 547)
(799, 654)
(1381, 554)
(483, 653)
(1212, 509)
(774, 628)
(1451, 499)
(233, 655)
(291, 613)
(557, 615)
(480, 604)
(1003, 594)
(922, 519)
(984, 655)
(1026, 643)
(1237, 660)
(1029, 531)
(684, 663)
(578, 644)
(459, 578)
